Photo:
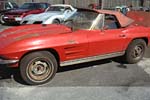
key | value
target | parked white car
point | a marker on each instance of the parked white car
(54, 14)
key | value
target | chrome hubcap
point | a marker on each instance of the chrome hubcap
(137, 52)
(39, 68)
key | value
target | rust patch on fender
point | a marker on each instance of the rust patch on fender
(26, 36)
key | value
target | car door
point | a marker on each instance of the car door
(106, 40)
(76, 45)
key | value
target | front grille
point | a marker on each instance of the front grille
(16, 15)
(12, 16)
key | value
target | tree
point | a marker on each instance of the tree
(63, 1)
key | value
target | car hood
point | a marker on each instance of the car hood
(43, 16)
(25, 32)
(18, 11)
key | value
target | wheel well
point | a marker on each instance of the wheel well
(143, 38)
(57, 20)
(54, 52)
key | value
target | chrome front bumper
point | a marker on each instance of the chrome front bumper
(2, 61)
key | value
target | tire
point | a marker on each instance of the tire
(1, 19)
(55, 21)
(38, 67)
(135, 51)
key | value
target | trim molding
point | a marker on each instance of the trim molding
(93, 58)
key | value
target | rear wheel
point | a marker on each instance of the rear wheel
(38, 67)
(135, 51)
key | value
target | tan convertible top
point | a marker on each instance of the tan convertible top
(123, 20)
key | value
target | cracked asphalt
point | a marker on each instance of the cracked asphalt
(105, 79)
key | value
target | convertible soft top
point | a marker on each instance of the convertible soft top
(123, 20)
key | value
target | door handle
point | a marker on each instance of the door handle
(122, 35)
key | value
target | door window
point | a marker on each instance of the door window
(111, 22)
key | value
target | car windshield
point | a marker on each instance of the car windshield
(56, 8)
(28, 6)
(31, 6)
(82, 19)
(14, 5)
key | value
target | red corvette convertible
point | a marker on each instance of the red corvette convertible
(89, 35)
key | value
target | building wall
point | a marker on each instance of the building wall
(85, 3)
(81, 3)
(134, 3)
(76, 3)
(20, 2)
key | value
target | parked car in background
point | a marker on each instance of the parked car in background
(146, 9)
(54, 14)
(6, 5)
(16, 15)
(88, 35)
(123, 9)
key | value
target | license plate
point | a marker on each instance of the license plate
(18, 18)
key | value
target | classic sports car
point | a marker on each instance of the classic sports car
(89, 35)
(55, 14)
(16, 15)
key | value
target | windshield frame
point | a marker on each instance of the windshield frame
(92, 23)
(48, 10)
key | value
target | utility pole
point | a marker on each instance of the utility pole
(63, 1)
(102, 4)
(141, 3)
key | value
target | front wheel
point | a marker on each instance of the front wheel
(2, 19)
(55, 21)
(135, 51)
(38, 67)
